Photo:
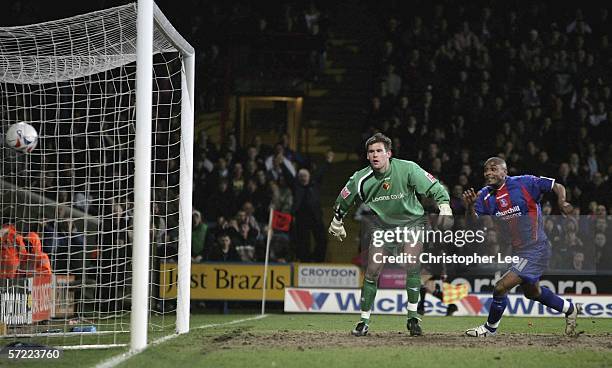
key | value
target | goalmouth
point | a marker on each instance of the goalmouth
(109, 187)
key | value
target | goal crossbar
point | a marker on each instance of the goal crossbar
(23, 60)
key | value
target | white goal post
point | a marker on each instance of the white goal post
(109, 187)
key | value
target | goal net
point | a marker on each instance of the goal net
(79, 190)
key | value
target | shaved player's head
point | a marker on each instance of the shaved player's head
(495, 172)
(496, 161)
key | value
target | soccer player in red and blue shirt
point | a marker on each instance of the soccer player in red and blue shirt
(514, 202)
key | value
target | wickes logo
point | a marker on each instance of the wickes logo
(389, 197)
(306, 300)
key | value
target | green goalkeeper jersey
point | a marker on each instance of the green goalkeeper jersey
(392, 195)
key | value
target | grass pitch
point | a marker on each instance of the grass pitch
(307, 340)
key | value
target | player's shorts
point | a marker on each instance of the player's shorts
(532, 262)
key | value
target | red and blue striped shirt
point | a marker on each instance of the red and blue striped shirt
(516, 206)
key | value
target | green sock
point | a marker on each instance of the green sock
(413, 288)
(368, 294)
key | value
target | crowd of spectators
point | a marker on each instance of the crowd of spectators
(236, 40)
(457, 84)
(455, 87)
(234, 190)
(84, 161)
(231, 38)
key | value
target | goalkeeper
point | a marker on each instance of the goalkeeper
(389, 186)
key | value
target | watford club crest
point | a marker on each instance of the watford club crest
(386, 185)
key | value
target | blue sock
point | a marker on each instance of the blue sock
(496, 311)
(550, 299)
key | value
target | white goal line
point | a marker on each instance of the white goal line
(118, 359)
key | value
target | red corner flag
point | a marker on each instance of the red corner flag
(281, 221)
